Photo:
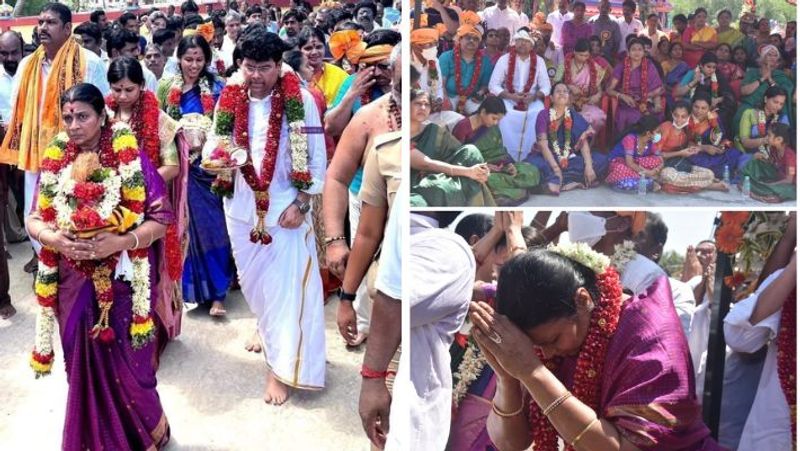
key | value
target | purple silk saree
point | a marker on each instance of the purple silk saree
(112, 401)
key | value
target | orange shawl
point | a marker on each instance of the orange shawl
(36, 120)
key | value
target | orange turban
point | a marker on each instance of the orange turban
(424, 36)
(465, 30)
(638, 219)
(469, 18)
(376, 53)
(206, 30)
(346, 43)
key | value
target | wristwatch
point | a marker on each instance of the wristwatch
(303, 206)
(344, 296)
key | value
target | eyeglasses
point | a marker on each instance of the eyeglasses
(263, 70)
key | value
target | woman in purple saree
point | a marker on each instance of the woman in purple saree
(575, 358)
(112, 401)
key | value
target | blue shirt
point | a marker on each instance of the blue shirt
(448, 69)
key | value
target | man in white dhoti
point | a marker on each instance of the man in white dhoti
(268, 216)
(520, 79)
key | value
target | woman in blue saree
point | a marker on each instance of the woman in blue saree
(208, 269)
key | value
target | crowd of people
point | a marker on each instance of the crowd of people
(569, 329)
(168, 157)
(504, 107)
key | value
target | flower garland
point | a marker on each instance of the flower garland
(787, 357)
(116, 177)
(603, 324)
(173, 107)
(696, 135)
(469, 370)
(623, 254)
(232, 124)
(714, 87)
(592, 74)
(562, 154)
(463, 94)
(509, 82)
(394, 116)
(763, 122)
(626, 81)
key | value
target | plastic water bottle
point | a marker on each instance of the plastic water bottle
(746, 187)
(726, 177)
(642, 184)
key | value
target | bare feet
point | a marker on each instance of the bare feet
(217, 309)
(32, 265)
(571, 186)
(254, 343)
(719, 186)
(7, 311)
(276, 392)
(553, 189)
(360, 338)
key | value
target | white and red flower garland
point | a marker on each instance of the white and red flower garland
(117, 186)
(509, 82)
(763, 122)
(232, 124)
(627, 70)
(603, 324)
(592, 90)
(714, 86)
(173, 107)
(715, 135)
(561, 153)
(465, 93)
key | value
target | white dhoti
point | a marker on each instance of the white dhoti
(282, 285)
(519, 129)
(31, 184)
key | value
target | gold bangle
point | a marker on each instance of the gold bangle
(501, 414)
(554, 405)
(583, 432)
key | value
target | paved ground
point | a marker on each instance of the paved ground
(210, 387)
(603, 196)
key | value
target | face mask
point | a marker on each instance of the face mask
(680, 127)
(430, 54)
(656, 138)
(585, 227)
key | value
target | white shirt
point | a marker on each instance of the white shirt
(556, 19)
(442, 267)
(639, 274)
(521, 72)
(389, 280)
(6, 90)
(438, 90)
(768, 426)
(496, 18)
(171, 68)
(625, 28)
(226, 52)
(281, 192)
(685, 304)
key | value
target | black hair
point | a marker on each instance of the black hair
(675, 44)
(477, 224)
(294, 58)
(90, 29)
(582, 45)
(629, 3)
(417, 93)
(701, 10)
(445, 218)
(680, 18)
(348, 25)
(652, 15)
(94, 17)
(307, 33)
(192, 21)
(703, 95)
(645, 41)
(196, 41)
(725, 44)
(782, 131)
(594, 38)
(682, 104)
(163, 35)
(381, 37)
(255, 9)
(708, 57)
(218, 23)
(577, 4)
(125, 67)
(725, 11)
(539, 286)
(366, 4)
(174, 23)
(774, 91)
(189, 6)
(630, 42)
(413, 75)
(260, 45)
(645, 124)
(492, 105)
(237, 55)
(125, 17)
(530, 236)
(86, 93)
(116, 39)
(296, 14)
(656, 228)
(61, 10)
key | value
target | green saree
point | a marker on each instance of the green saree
(762, 173)
(442, 190)
(501, 184)
(756, 98)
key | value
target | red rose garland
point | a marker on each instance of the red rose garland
(463, 94)
(143, 123)
(787, 357)
(509, 83)
(591, 359)
(626, 81)
(592, 74)
(696, 134)
(173, 107)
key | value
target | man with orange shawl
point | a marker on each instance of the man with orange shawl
(58, 64)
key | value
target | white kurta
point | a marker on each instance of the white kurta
(768, 426)
(519, 127)
(281, 281)
(496, 18)
(556, 19)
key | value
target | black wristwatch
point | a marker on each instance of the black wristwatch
(343, 296)
(303, 206)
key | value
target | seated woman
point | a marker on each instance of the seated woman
(509, 181)
(772, 174)
(576, 358)
(584, 77)
(730, 70)
(635, 83)
(706, 77)
(705, 131)
(562, 165)
(753, 126)
(674, 69)
(635, 156)
(104, 308)
(758, 79)
(443, 172)
(679, 175)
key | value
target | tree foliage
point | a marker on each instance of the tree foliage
(672, 262)
(779, 10)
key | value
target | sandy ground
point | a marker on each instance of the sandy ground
(603, 196)
(209, 385)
